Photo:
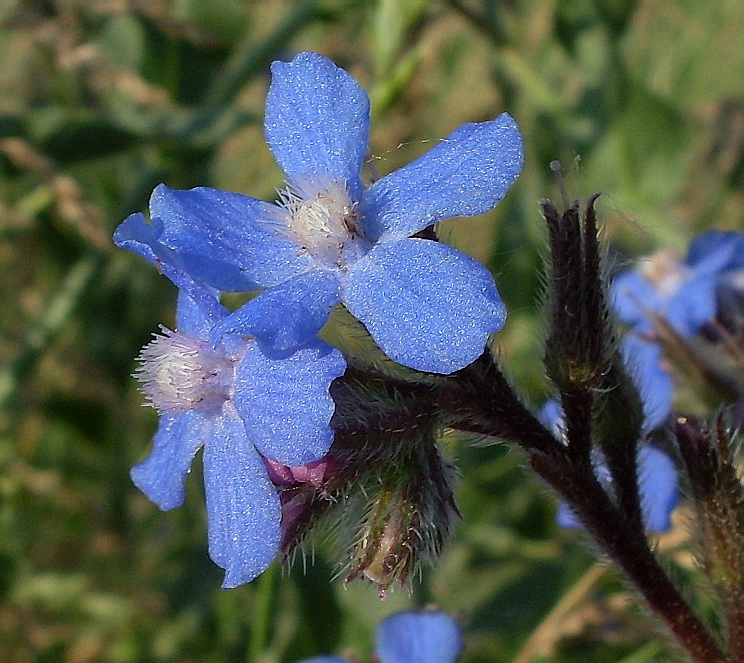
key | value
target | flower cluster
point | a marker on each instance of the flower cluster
(252, 386)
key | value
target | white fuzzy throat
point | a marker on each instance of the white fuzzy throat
(179, 372)
(319, 215)
(666, 272)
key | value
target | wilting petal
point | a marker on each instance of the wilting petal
(288, 316)
(285, 403)
(220, 240)
(466, 174)
(419, 637)
(317, 120)
(426, 305)
(243, 509)
(162, 474)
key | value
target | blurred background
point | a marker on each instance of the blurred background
(101, 100)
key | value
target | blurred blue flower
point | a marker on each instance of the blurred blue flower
(686, 293)
(418, 636)
(330, 239)
(658, 480)
(237, 402)
(655, 386)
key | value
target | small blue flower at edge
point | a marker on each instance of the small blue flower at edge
(330, 239)
(237, 403)
(685, 293)
(417, 636)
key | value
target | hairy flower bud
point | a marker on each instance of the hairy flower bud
(409, 520)
(384, 490)
(708, 452)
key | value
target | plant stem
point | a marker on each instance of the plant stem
(630, 551)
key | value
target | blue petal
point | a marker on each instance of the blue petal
(220, 239)
(633, 296)
(659, 493)
(426, 305)
(288, 316)
(566, 518)
(198, 310)
(243, 509)
(317, 120)
(162, 474)
(466, 174)
(198, 307)
(693, 306)
(419, 637)
(727, 247)
(136, 235)
(655, 385)
(285, 403)
(551, 416)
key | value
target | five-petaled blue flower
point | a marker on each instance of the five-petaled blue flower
(686, 294)
(239, 404)
(331, 239)
(658, 480)
(417, 636)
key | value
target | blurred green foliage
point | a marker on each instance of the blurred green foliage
(100, 100)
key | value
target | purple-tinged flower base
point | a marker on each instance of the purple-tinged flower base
(330, 239)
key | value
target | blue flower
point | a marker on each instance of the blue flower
(237, 402)
(686, 293)
(331, 239)
(658, 482)
(658, 486)
(655, 385)
(419, 636)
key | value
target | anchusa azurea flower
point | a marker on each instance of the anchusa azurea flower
(415, 636)
(241, 405)
(688, 294)
(689, 314)
(330, 238)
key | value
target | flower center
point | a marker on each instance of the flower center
(319, 215)
(666, 272)
(179, 372)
